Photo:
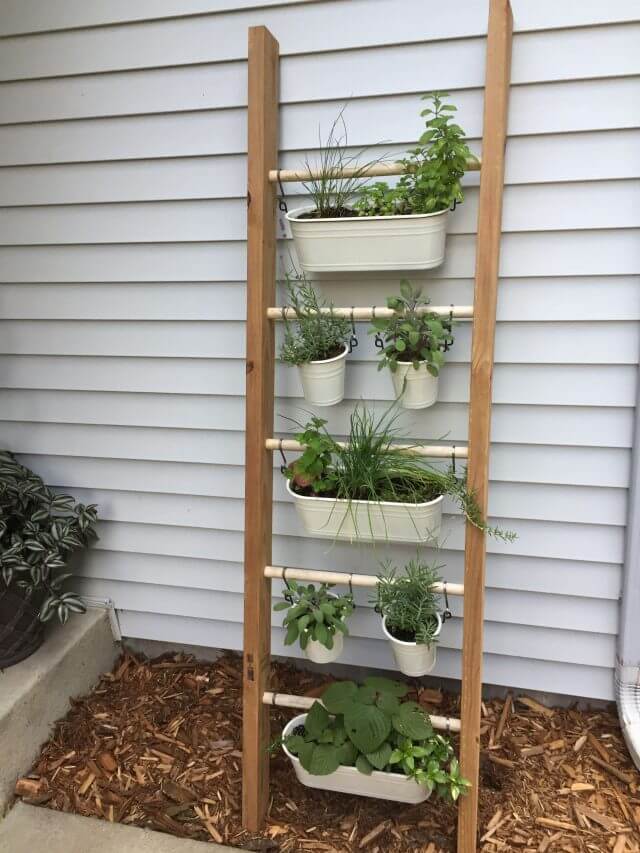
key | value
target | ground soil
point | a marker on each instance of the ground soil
(158, 744)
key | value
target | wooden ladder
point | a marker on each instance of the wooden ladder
(260, 368)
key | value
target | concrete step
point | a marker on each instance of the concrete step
(29, 829)
(36, 692)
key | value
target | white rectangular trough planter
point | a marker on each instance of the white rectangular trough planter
(348, 780)
(413, 242)
(369, 521)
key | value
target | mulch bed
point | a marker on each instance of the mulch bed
(157, 744)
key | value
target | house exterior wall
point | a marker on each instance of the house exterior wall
(122, 302)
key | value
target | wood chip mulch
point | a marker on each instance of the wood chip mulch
(157, 744)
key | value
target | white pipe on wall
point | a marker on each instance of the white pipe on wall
(628, 657)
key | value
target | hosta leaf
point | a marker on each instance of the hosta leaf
(347, 754)
(380, 758)
(363, 765)
(366, 695)
(367, 726)
(388, 703)
(412, 722)
(386, 685)
(325, 759)
(339, 696)
(304, 753)
(294, 743)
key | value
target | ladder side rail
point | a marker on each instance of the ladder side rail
(260, 371)
(482, 355)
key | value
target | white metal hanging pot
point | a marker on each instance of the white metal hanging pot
(347, 780)
(413, 659)
(416, 389)
(369, 521)
(323, 381)
(412, 242)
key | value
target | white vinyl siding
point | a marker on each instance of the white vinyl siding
(122, 299)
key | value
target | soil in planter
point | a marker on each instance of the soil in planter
(403, 494)
(333, 213)
(157, 744)
(401, 634)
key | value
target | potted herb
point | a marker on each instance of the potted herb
(38, 531)
(370, 490)
(413, 344)
(316, 342)
(411, 619)
(316, 619)
(367, 741)
(352, 226)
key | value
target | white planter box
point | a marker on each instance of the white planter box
(368, 521)
(414, 242)
(323, 381)
(414, 659)
(421, 389)
(318, 653)
(348, 780)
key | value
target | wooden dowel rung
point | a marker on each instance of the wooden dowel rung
(458, 312)
(303, 703)
(436, 451)
(317, 576)
(375, 170)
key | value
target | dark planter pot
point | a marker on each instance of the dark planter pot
(21, 631)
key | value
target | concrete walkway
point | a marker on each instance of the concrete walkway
(35, 693)
(28, 829)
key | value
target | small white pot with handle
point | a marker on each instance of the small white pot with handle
(318, 653)
(352, 243)
(413, 659)
(368, 521)
(417, 389)
(323, 381)
(347, 780)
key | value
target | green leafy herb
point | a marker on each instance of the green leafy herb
(369, 728)
(369, 467)
(314, 613)
(433, 169)
(413, 334)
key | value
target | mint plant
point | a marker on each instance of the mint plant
(370, 728)
(314, 613)
(411, 335)
(433, 169)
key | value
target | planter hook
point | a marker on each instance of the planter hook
(448, 327)
(285, 464)
(288, 595)
(378, 341)
(353, 340)
(282, 200)
(446, 613)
